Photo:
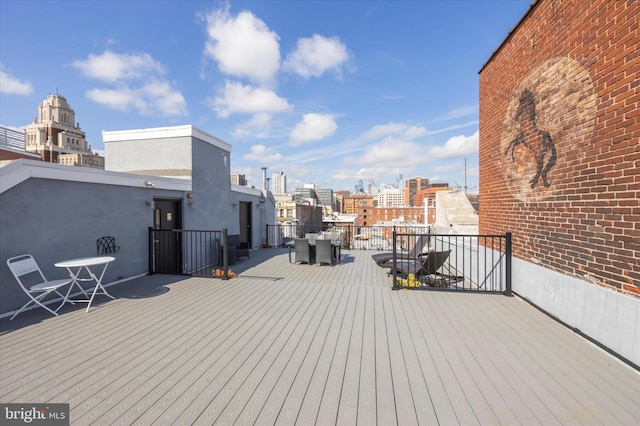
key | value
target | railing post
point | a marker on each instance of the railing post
(225, 254)
(152, 252)
(395, 271)
(508, 249)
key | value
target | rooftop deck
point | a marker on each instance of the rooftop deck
(300, 344)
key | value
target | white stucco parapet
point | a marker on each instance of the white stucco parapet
(163, 133)
(12, 173)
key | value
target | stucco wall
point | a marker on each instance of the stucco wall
(605, 315)
(57, 212)
(163, 157)
(56, 220)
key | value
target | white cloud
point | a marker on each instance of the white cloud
(399, 153)
(111, 67)
(156, 97)
(457, 146)
(390, 152)
(313, 127)
(460, 112)
(262, 154)
(11, 85)
(398, 130)
(137, 83)
(256, 127)
(316, 55)
(242, 46)
(236, 98)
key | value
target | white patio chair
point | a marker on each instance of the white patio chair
(31, 279)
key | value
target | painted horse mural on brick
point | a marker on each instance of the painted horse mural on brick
(537, 141)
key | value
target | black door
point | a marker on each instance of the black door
(245, 223)
(167, 218)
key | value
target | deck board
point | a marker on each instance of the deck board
(305, 344)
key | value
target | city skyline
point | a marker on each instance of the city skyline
(329, 93)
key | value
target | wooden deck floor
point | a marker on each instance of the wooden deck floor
(300, 344)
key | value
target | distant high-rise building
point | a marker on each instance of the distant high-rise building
(56, 136)
(373, 189)
(352, 203)
(412, 187)
(325, 197)
(305, 196)
(391, 197)
(239, 180)
(279, 183)
(339, 199)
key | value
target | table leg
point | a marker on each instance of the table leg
(75, 279)
(65, 298)
(98, 285)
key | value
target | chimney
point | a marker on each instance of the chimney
(264, 179)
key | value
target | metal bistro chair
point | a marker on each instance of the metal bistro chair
(24, 268)
(107, 245)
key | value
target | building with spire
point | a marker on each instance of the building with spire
(57, 137)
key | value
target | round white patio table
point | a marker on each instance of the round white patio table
(75, 267)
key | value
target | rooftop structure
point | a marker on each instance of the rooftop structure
(57, 137)
(237, 179)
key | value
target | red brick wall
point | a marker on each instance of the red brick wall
(561, 96)
(369, 216)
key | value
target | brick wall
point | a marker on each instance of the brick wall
(560, 140)
(369, 216)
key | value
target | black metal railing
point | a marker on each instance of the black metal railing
(377, 237)
(477, 263)
(188, 252)
(416, 260)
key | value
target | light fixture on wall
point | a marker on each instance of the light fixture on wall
(234, 205)
(190, 200)
(149, 184)
(151, 204)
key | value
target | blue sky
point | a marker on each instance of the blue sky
(330, 92)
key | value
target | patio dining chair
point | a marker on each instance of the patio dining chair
(324, 252)
(33, 282)
(303, 251)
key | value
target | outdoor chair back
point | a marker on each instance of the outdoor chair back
(303, 253)
(33, 282)
(324, 252)
(383, 259)
(106, 245)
